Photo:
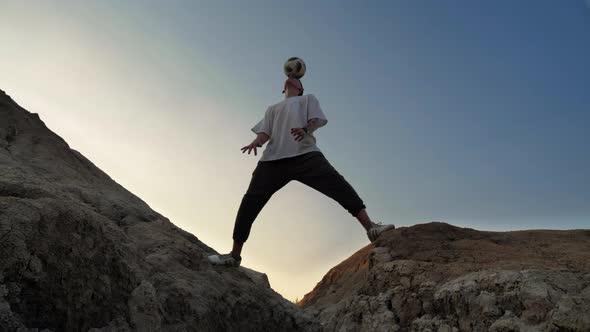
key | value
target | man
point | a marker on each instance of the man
(289, 158)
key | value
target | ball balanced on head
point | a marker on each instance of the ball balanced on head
(294, 67)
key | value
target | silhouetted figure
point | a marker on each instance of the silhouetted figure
(292, 154)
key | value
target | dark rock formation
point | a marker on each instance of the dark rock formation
(437, 277)
(79, 252)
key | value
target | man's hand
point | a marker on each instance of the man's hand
(299, 133)
(249, 147)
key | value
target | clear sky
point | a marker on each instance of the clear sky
(475, 113)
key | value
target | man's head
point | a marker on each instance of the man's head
(293, 87)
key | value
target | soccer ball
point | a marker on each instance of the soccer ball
(294, 67)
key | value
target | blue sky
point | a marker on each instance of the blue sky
(474, 110)
(474, 113)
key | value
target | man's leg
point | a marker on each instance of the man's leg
(319, 174)
(236, 250)
(364, 219)
(267, 179)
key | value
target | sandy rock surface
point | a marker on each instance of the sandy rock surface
(438, 277)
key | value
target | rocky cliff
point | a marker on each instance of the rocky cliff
(438, 277)
(78, 252)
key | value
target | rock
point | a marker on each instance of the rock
(445, 278)
(380, 250)
(261, 279)
(144, 308)
(572, 313)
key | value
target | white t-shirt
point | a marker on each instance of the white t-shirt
(292, 112)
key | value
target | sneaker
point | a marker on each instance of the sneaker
(225, 259)
(377, 228)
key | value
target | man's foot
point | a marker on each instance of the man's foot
(376, 229)
(225, 259)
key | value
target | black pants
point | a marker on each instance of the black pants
(311, 168)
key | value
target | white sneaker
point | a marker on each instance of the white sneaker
(377, 228)
(225, 259)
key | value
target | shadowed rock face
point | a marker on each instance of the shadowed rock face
(79, 252)
(437, 277)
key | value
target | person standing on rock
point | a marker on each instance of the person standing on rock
(289, 158)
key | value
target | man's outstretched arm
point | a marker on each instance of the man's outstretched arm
(260, 139)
